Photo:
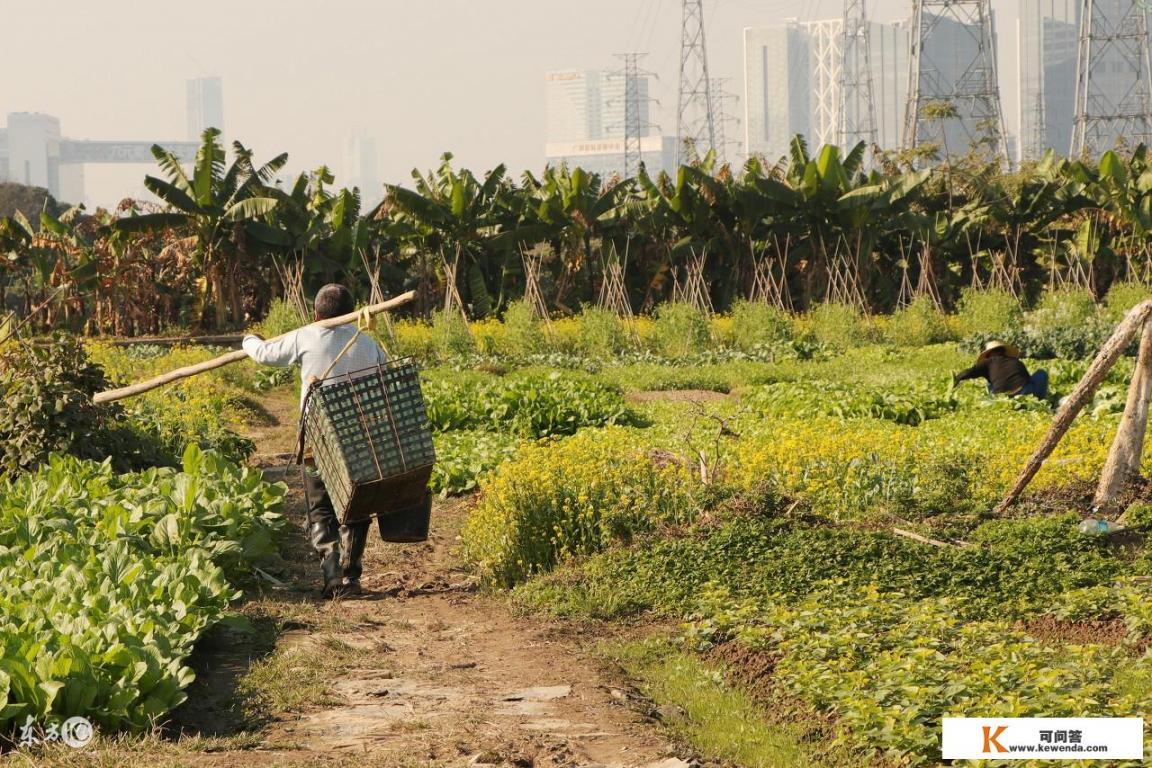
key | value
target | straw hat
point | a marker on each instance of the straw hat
(1009, 349)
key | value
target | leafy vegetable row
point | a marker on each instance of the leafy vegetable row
(107, 581)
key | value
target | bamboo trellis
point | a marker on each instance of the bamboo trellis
(452, 298)
(532, 259)
(907, 291)
(926, 284)
(694, 290)
(768, 286)
(1005, 275)
(844, 277)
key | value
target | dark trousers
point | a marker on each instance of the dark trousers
(339, 546)
(1037, 386)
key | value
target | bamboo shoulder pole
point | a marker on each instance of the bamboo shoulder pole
(1080, 395)
(234, 357)
(1124, 457)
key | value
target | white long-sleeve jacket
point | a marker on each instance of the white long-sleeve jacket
(313, 349)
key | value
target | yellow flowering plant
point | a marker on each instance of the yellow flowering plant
(569, 499)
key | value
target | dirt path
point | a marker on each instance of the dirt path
(443, 674)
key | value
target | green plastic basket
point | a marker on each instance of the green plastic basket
(370, 439)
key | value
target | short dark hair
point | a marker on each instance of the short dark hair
(333, 300)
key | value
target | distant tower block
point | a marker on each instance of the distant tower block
(1047, 38)
(857, 106)
(696, 115)
(953, 97)
(1112, 78)
(205, 106)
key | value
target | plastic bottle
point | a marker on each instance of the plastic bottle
(1094, 527)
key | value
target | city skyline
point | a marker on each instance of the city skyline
(372, 78)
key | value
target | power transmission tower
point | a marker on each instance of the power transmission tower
(636, 125)
(720, 98)
(952, 88)
(1112, 86)
(695, 114)
(857, 106)
(825, 42)
(1038, 140)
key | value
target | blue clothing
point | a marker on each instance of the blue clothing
(1037, 386)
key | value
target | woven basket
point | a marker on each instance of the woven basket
(370, 439)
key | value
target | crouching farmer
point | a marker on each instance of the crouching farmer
(1000, 365)
(322, 353)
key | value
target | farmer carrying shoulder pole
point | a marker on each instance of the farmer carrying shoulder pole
(1000, 364)
(321, 353)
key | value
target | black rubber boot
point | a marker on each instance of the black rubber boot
(326, 542)
(353, 540)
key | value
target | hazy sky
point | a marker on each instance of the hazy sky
(303, 75)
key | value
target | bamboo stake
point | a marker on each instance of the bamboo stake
(926, 540)
(1124, 457)
(235, 357)
(1081, 394)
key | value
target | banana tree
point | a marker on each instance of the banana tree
(221, 210)
(452, 212)
(570, 210)
(1121, 193)
(321, 228)
(16, 236)
(832, 239)
(882, 210)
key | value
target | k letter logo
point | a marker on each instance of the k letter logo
(990, 737)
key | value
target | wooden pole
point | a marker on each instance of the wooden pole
(1105, 359)
(1124, 456)
(234, 357)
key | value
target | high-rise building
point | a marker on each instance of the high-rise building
(1047, 36)
(572, 105)
(33, 152)
(205, 105)
(777, 88)
(588, 105)
(585, 125)
(3, 154)
(362, 169)
(606, 156)
(792, 76)
(891, 49)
